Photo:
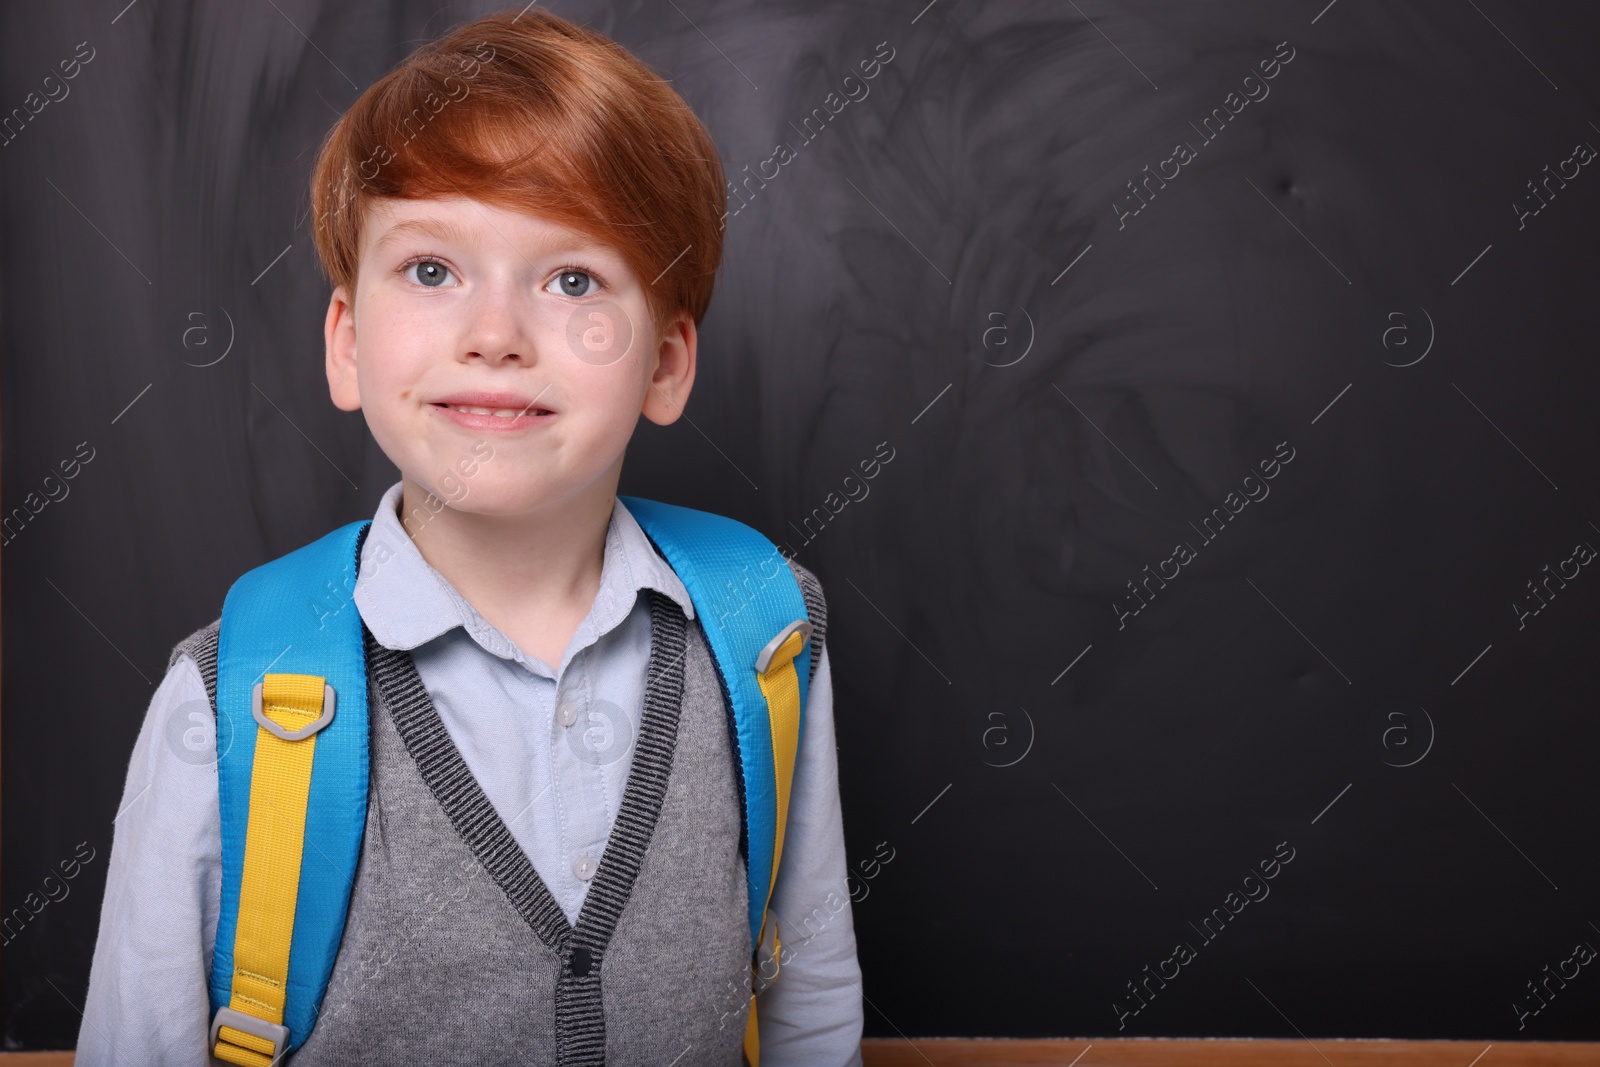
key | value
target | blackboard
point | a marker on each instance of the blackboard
(1226, 372)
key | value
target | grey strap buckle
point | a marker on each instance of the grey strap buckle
(291, 735)
(764, 658)
(255, 1027)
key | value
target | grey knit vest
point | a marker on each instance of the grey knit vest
(455, 951)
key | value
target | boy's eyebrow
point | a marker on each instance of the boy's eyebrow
(446, 230)
(423, 227)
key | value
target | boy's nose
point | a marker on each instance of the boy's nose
(497, 332)
(494, 347)
(496, 355)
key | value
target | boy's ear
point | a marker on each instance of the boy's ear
(339, 336)
(673, 376)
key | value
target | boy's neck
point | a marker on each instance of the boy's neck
(533, 576)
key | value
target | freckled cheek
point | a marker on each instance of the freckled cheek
(615, 388)
(545, 322)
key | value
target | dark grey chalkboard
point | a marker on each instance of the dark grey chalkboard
(1214, 640)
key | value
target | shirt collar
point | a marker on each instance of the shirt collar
(405, 602)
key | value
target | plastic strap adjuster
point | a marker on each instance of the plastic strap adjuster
(292, 735)
(765, 656)
(244, 1022)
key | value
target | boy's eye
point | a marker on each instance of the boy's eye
(574, 282)
(429, 272)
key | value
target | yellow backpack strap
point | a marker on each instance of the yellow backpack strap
(291, 709)
(293, 786)
(781, 687)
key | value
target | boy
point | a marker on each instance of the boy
(522, 224)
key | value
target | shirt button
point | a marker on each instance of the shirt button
(584, 867)
(568, 712)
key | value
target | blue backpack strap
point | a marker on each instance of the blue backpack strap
(745, 595)
(295, 615)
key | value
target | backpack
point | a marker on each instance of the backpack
(290, 655)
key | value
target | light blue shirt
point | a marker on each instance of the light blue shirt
(551, 748)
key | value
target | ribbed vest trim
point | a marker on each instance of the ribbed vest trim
(816, 611)
(580, 1018)
(202, 647)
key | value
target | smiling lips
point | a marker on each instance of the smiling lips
(493, 411)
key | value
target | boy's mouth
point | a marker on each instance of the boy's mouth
(499, 413)
(494, 411)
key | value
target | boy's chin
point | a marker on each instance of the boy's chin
(502, 500)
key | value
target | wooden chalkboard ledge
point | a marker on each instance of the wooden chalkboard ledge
(1231, 1052)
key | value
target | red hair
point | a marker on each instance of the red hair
(536, 114)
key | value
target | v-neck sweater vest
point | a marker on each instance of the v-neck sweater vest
(454, 950)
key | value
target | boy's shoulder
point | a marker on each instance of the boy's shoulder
(201, 646)
(693, 524)
(816, 604)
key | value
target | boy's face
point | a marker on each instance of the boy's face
(502, 361)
